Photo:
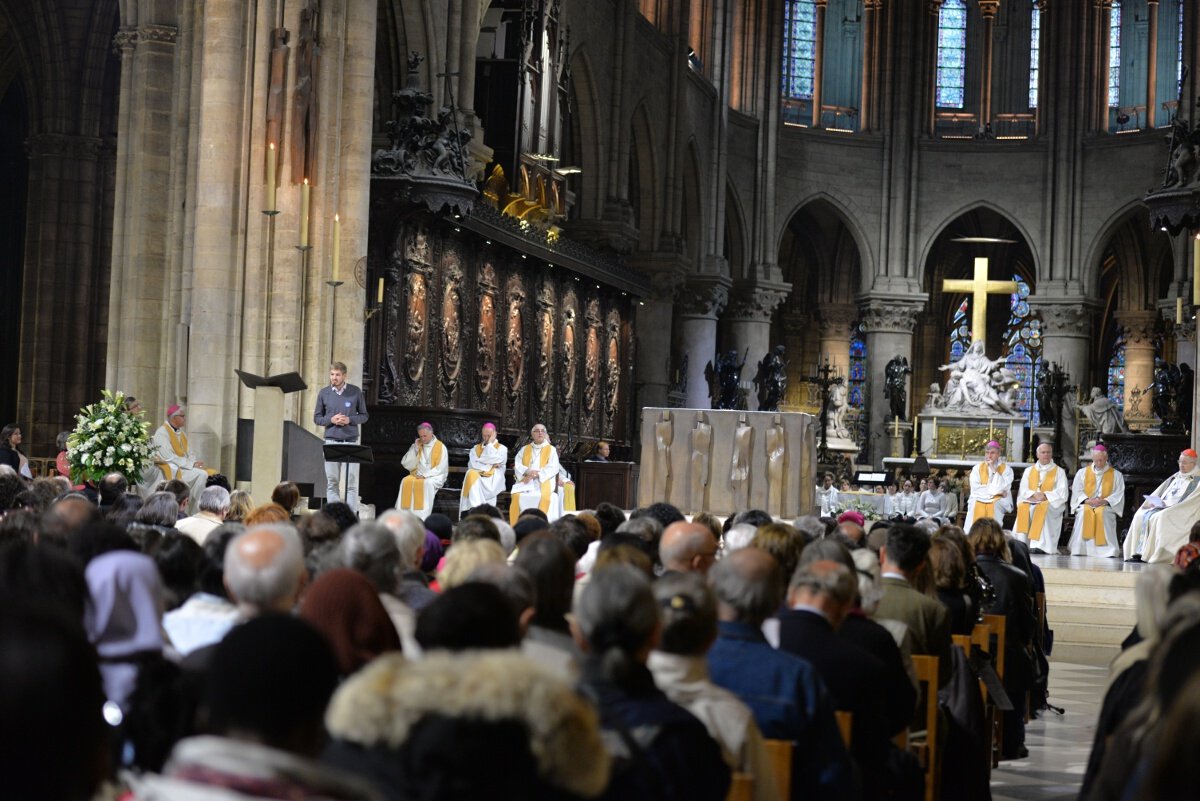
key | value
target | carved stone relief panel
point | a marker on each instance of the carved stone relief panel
(389, 371)
(544, 378)
(485, 364)
(566, 396)
(514, 335)
(612, 368)
(591, 362)
(451, 323)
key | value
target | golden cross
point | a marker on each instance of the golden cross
(979, 287)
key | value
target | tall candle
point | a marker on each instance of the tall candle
(1178, 311)
(1196, 270)
(916, 435)
(305, 194)
(380, 296)
(271, 177)
(337, 244)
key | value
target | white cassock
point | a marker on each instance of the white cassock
(991, 492)
(1039, 524)
(905, 504)
(1156, 534)
(171, 458)
(427, 468)
(485, 475)
(537, 493)
(1095, 532)
(932, 504)
(827, 499)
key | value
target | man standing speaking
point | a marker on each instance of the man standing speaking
(341, 408)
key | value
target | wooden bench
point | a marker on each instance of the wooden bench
(779, 753)
(741, 787)
(925, 744)
(845, 722)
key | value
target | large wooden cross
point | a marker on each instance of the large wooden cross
(979, 288)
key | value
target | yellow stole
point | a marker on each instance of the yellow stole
(514, 507)
(986, 507)
(475, 475)
(1024, 525)
(179, 442)
(1093, 516)
(412, 488)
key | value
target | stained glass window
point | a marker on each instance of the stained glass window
(858, 368)
(799, 48)
(1023, 342)
(1179, 46)
(1114, 55)
(1035, 53)
(1116, 371)
(960, 330)
(952, 54)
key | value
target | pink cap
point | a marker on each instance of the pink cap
(851, 516)
(425, 425)
(1100, 446)
(174, 409)
(490, 425)
(992, 444)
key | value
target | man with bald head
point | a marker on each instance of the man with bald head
(264, 569)
(1041, 501)
(1158, 529)
(788, 698)
(687, 548)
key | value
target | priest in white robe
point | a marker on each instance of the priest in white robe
(991, 487)
(535, 477)
(171, 458)
(485, 471)
(1041, 501)
(1097, 498)
(427, 464)
(827, 496)
(1161, 524)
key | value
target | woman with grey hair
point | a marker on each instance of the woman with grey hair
(156, 518)
(671, 755)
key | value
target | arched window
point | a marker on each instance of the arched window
(1116, 371)
(960, 330)
(1114, 55)
(857, 381)
(1023, 341)
(799, 48)
(952, 54)
(1035, 53)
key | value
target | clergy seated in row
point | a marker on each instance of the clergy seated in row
(486, 463)
(1161, 524)
(535, 477)
(172, 458)
(1097, 499)
(1041, 501)
(427, 464)
(991, 487)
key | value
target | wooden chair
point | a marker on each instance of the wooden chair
(925, 744)
(779, 752)
(845, 721)
(741, 787)
(998, 626)
(981, 636)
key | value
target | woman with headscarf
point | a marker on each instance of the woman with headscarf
(124, 619)
(343, 605)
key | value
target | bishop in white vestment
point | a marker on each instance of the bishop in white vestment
(535, 477)
(485, 471)
(1097, 498)
(1161, 525)
(1041, 500)
(172, 458)
(427, 464)
(991, 487)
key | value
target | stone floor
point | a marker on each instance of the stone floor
(1058, 745)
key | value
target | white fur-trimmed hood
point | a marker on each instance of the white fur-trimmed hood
(380, 705)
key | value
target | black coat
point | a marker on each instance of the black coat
(900, 697)
(1014, 600)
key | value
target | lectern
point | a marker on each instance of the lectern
(266, 466)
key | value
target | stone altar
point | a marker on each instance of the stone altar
(950, 435)
(727, 461)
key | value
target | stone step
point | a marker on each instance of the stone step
(1090, 633)
(1089, 578)
(1084, 654)
(1088, 594)
(1091, 614)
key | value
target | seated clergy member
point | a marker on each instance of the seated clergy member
(485, 471)
(991, 487)
(1161, 525)
(427, 464)
(1041, 501)
(171, 456)
(1097, 498)
(535, 477)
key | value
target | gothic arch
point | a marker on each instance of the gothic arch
(1009, 217)
(735, 232)
(589, 142)
(1130, 220)
(847, 217)
(643, 168)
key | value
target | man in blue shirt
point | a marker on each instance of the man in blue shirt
(785, 693)
(341, 408)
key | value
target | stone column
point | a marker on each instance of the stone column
(836, 327)
(796, 326)
(930, 76)
(1139, 365)
(653, 320)
(987, 9)
(699, 303)
(888, 326)
(1152, 61)
(1100, 51)
(818, 62)
(870, 20)
(749, 318)
(1066, 336)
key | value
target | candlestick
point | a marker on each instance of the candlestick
(379, 299)
(933, 447)
(337, 244)
(1178, 311)
(916, 438)
(271, 177)
(1196, 270)
(896, 426)
(305, 194)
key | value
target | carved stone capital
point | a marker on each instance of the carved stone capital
(64, 146)
(935, 6)
(756, 303)
(1070, 318)
(1141, 327)
(837, 320)
(126, 40)
(890, 315)
(1185, 332)
(988, 8)
(703, 297)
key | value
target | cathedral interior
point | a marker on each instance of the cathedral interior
(562, 211)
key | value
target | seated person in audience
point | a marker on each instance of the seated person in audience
(472, 615)
(214, 506)
(265, 699)
(689, 612)
(687, 548)
(371, 549)
(903, 560)
(674, 758)
(412, 588)
(124, 618)
(499, 727)
(950, 579)
(787, 696)
(206, 616)
(548, 640)
(344, 606)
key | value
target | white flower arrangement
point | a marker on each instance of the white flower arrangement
(868, 510)
(108, 438)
